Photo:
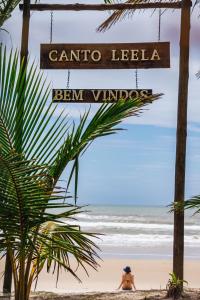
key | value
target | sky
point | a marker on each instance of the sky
(135, 166)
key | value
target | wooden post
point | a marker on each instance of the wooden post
(25, 30)
(179, 194)
(24, 57)
(7, 283)
(19, 125)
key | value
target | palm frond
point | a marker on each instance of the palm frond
(57, 241)
(34, 234)
(6, 8)
(102, 124)
(198, 74)
(23, 197)
(118, 15)
(193, 203)
(24, 101)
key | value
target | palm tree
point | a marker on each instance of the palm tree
(6, 8)
(31, 165)
(30, 233)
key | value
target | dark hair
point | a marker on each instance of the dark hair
(127, 269)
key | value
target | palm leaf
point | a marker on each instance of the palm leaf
(198, 74)
(24, 103)
(193, 203)
(104, 123)
(23, 196)
(57, 241)
(31, 230)
(6, 8)
(118, 15)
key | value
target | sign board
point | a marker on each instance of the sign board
(105, 56)
(96, 96)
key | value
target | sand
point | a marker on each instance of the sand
(149, 274)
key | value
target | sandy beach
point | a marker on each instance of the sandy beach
(149, 274)
(131, 234)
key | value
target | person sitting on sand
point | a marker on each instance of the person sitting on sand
(127, 280)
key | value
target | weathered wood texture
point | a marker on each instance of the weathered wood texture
(7, 283)
(103, 7)
(118, 60)
(97, 95)
(179, 194)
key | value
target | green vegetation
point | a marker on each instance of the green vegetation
(31, 234)
(193, 203)
(174, 287)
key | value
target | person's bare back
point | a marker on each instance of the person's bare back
(127, 280)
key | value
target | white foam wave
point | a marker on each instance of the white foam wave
(127, 225)
(121, 240)
(83, 216)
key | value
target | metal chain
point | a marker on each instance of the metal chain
(51, 32)
(136, 78)
(159, 35)
(68, 79)
(51, 39)
(159, 24)
(51, 27)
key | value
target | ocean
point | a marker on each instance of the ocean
(139, 231)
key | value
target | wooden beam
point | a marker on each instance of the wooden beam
(181, 135)
(103, 7)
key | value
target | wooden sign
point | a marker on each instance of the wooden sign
(105, 56)
(96, 96)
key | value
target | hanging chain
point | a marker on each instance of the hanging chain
(136, 78)
(51, 39)
(51, 27)
(51, 32)
(68, 79)
(159, 24)
(159, 35)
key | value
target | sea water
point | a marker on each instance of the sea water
(139, 231)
